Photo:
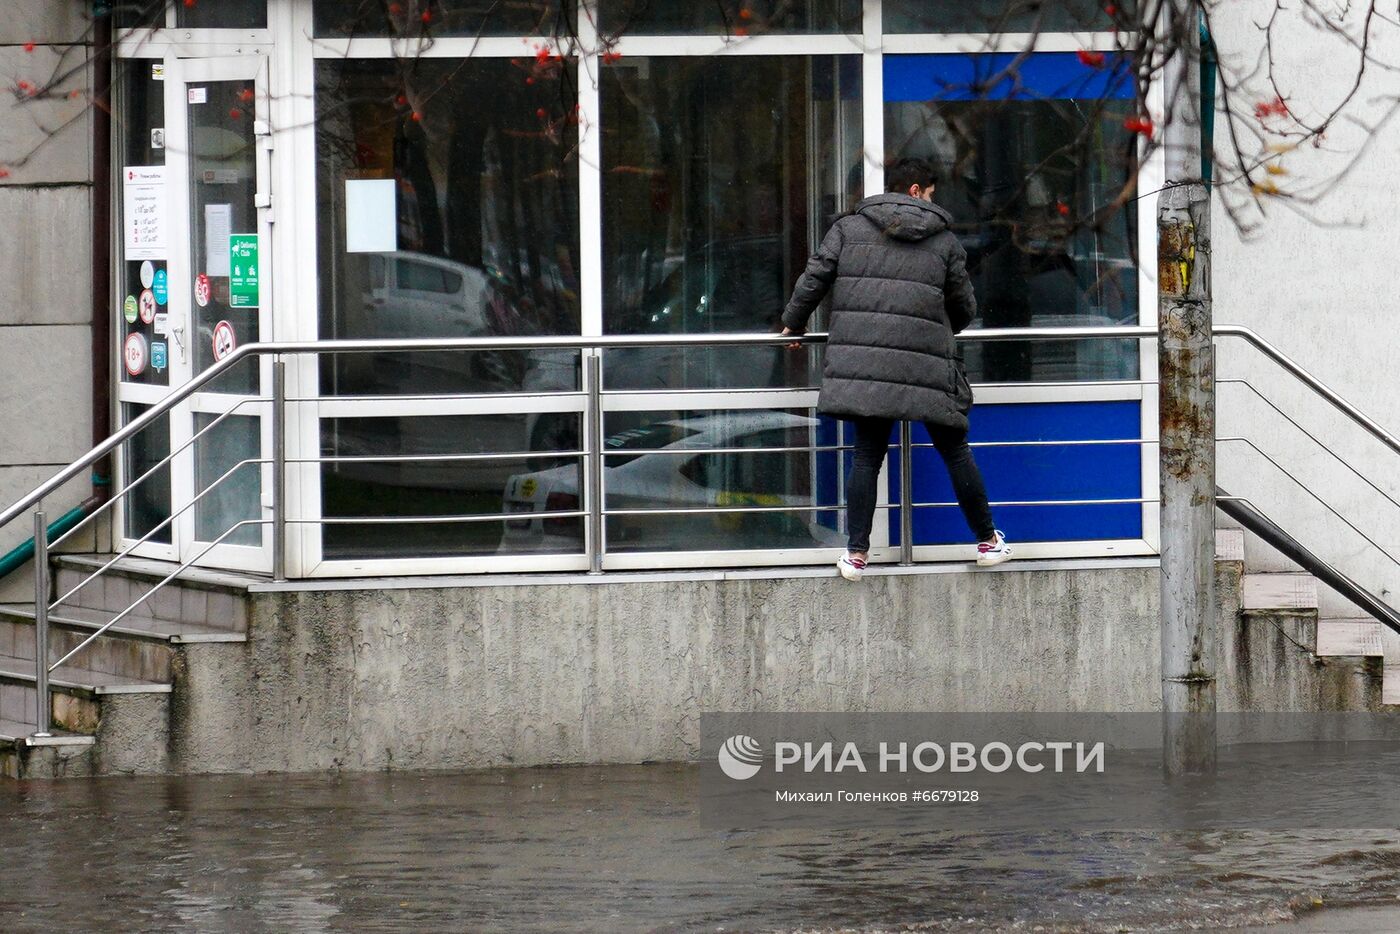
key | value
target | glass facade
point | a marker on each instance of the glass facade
(148, 504)
(662, 468)
(532, 169)
(417, 468)
(443, 18)
(223, 187)
(480, 235)
(720, 177)
(1034, 172)
(143, 267)
(1003, 16)
(221, 14)
(730, 17)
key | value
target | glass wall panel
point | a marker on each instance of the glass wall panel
(139, 14)
(221, 14)
(720, 176)
(668, 460)
(729, 17)
(232, 447)
(142, 270)
(439, 488)
(448, 206)
(223, 184)
(1003, 16)
(148, 503)
(445, 18)
(1034, 172)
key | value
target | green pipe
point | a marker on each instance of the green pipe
(24, 551)
(1209, 66)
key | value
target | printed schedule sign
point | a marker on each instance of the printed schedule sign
(144, 211)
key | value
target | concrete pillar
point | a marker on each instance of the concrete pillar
(1186, 373)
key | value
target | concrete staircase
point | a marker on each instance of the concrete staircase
(1277, 645)
(111, 706)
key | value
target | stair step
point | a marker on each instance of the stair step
(134, 627)
(21, 731)
(1229, 544)
(74, 678)
(1390, 672)
(153, 571)
(1348, 637)
(1287, 592)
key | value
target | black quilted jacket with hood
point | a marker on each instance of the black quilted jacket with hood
(899, 292)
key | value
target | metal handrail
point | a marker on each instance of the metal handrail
(1312, 437)
(626, 341)
(147, 595)
(606, 342)
(156, 528)
(593, 452)
(188, 443)
(1251, 517)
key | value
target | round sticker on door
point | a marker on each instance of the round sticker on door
(160, 287)
(134, 354)
(148, 273)
(224, 341)
(148, 306)
(129, 311)
(201, 290)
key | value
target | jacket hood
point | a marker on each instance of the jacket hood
(903, 217)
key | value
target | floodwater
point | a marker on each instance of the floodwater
(621, 849)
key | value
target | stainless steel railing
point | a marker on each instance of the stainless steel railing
(592, 453)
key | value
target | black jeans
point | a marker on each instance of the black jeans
(872, 441)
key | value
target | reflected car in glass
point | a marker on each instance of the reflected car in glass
(674, 464)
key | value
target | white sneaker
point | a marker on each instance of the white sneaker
(993, 552)
(851, 567)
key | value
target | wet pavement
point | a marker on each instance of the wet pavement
(621, 849)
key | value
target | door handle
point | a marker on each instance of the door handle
(177, 334)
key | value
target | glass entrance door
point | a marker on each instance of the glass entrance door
(213, 296)
(222, 284)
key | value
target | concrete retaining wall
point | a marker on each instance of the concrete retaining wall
(621, 671)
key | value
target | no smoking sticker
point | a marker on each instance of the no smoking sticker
(134, 354)
(224, 341)
(201, 290)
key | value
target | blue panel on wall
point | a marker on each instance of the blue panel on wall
(827, 484)
(1040, 76)
(1071, 472)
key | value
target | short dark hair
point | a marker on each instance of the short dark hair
(902, 173)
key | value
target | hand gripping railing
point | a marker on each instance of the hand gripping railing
(592, 449)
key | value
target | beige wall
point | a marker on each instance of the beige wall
(45, 263)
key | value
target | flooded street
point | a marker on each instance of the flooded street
(616, 849)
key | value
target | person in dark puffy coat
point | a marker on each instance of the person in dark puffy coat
(899, 290)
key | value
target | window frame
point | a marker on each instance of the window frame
(293, 57)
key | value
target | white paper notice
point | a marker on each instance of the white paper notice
(371, 216)
(143, 210)
(218, 224)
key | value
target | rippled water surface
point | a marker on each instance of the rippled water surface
(609, 849)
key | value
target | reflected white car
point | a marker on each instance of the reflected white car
(673, 467)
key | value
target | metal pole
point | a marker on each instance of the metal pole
(279, 469)
(906, 494)
(594, 453)
(1186, 397)
(41, 623)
